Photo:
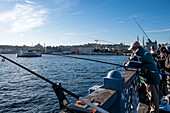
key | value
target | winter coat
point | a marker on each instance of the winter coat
(167, 63)
(161, 62)
(144, 60)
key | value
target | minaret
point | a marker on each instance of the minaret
(137, 38)
(143, 42)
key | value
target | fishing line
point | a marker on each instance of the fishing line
(139, 69)
(78, 81)
(3, 60)
(58, 86)
(93, 60)
(141, 29)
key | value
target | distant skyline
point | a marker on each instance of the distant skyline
(74, 22)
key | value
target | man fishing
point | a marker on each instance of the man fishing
(144, 60)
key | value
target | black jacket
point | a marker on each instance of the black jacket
(161, 62)
(167, 63)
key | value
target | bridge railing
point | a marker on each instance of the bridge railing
(131, 91)
(118, 94)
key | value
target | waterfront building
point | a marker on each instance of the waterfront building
(76, 49)
(85, 50)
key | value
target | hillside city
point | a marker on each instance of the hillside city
(89, 49)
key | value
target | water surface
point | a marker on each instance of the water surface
(21, 91)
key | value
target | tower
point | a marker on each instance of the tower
(137, 38)
(143, 42)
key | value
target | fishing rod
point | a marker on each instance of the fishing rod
(94, 60)
(141, 29)
(139, 69)
(56, 86)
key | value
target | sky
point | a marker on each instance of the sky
(75, 22)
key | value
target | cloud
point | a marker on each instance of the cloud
(75, 13)
(24, 17)
(105, 30)
(21, 35)
(65, 38)
(121, 22)
(30, 2)
(162, 30)
(63, 6)
(12, 0)
(70, 34)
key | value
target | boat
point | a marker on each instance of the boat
(29, 53)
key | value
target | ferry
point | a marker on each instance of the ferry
(29, 53)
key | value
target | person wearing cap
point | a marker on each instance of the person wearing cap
(142, 59)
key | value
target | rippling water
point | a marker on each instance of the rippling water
(21, 91)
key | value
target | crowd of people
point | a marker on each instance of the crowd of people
(152, 86)
(161, 56)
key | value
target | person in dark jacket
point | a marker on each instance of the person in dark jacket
(144, 60)
(161, 67)
(158, 48)
(167, 61)
(153, 52)
(167, 68)
(161, 58)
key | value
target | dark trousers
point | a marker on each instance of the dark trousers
(149, 95)
(163, 85)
